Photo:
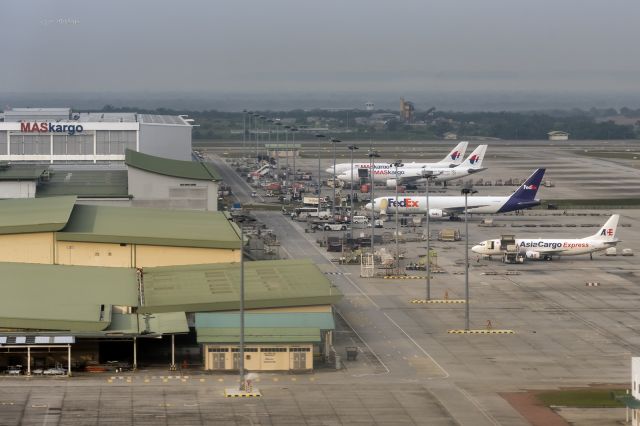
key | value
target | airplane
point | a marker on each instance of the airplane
(473, 164)
(452, 159)
(441, 206)
(546, 248)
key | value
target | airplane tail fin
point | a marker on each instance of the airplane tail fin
(456, 155)
(529, 188)
(525, 196)
(474, 161)
(608, 230)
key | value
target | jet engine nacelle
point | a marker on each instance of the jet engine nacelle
(533, 255)
(391, 183)
(436, 213)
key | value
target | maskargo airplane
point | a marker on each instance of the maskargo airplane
(473, 164)
(452, 159)
(440, 206)
(546, 248)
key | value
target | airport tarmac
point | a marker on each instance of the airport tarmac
(411, 370)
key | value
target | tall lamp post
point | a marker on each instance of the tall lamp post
(466, 191)
(334, 141)
(242, 382)
(286, 147)
(255, 130)
(295, 153)
(428, 174)
(244, 134)
(351, 148)
(396, 164)
(319, 136)
(278, 125)
(372, 165)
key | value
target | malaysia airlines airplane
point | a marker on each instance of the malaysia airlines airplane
(440, 206)
(452, 159)
(546, 248)
(413, 175)
(473, 164)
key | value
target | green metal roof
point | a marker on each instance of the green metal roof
(169, 167)
(11, 172)
(35, 215)
(259, 335)
(133, 225)
(322, 320)
(85, 184)
(216, 287)
(55, 297)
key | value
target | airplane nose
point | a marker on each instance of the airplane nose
(367, 206)
(476, 249)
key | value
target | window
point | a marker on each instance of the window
(273, 350)
(218, 349)
(299, 350)
(245, 349)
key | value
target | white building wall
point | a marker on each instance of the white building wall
(155, 190)
(166, 140)
(635, 377)
(17, 189)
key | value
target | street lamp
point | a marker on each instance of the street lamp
(428, 174)
(396, 164)
(466, 191)
(255, 130)
(278, 125)
(334, 141)
(286, 148)
(293, 139)
(372, 164)
(319, 136)
(351, 148)
(244, 134)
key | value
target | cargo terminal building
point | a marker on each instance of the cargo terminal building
(60, 135)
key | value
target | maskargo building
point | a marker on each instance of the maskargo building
(61, 135)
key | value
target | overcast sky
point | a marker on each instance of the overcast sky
(284, 46)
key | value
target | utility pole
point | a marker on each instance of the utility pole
(427, 174)
(351, 148)
(466, 191)
(372, 165)
(396, 164)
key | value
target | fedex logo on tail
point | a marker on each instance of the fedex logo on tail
(606, 232)
(455, 155)
(532, 187)
(474, 159)
(406, 202)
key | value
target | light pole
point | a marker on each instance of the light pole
(466, 191)
(293, 137)
(242, 384)
(255, 130)
(286, 148)
(372, 164)
(351, 148)
(319, 136)
(244, 134)
(427, 174)
(263, 120)
(334, 141)
(396, 164)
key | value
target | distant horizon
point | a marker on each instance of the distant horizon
(234, 101)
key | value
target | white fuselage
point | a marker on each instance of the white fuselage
(414, 174)
(554, 246)
(417, 205)
(344, 168)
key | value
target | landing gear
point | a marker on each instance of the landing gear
(547, 257)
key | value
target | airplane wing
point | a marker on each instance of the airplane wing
(452, 210)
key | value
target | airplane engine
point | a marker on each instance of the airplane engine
(391, 183)
(436, 213)
(533, 255)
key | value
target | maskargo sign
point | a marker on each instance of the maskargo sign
(70, 129)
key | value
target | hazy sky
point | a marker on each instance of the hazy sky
(328, 45)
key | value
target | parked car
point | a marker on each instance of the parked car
(54, 371)
(14, 370)
(335, 227)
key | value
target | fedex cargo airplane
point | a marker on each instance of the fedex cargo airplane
(409, 174)
(452, 159)
(440, 206)
(546, 248)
